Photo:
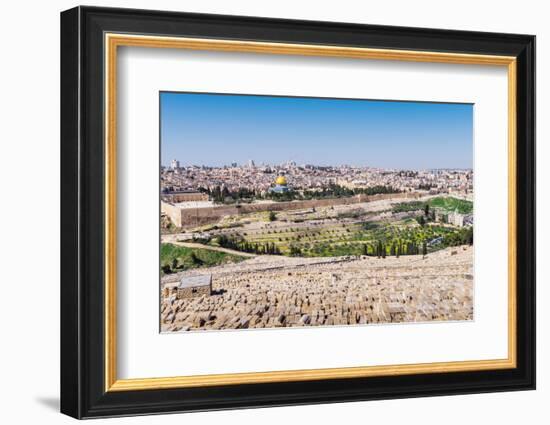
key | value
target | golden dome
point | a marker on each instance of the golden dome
(281, 181)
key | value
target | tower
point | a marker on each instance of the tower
(175, 164)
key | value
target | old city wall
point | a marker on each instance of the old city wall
(184, 197)
(173, 212)
(182, 217)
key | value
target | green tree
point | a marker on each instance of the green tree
(175, 264)
(295, 251)
(195, 259)
(421, 220)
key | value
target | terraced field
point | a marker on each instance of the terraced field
(333, 237)
(381, 228)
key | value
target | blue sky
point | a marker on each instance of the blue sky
(215, 130)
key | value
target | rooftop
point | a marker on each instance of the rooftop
(194, 281)
(179, 192)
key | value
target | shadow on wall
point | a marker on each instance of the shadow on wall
(49, 402)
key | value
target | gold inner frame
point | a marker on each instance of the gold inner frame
(113, 41)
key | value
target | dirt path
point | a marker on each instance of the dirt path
(208, 247)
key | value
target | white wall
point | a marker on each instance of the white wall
(29, 158)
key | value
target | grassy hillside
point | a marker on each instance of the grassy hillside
(357, 238)
(175, 258)
(450, 204)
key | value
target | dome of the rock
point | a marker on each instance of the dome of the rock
(281, 181)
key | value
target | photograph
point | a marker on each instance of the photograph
(280, 211)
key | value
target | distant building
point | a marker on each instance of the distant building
(281, 185)
(183, 196)
(194, 286)
(251, 163)
(455, 219)
(175, 164)
(459, 220)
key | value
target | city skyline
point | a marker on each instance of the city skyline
(285, 163)
(217, 130)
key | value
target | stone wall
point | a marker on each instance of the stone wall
(182, 217)
(193, 292)
(173, 212)
(176, 197)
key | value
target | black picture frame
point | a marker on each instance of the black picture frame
(83, 392)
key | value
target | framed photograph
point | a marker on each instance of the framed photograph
(261, 212)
